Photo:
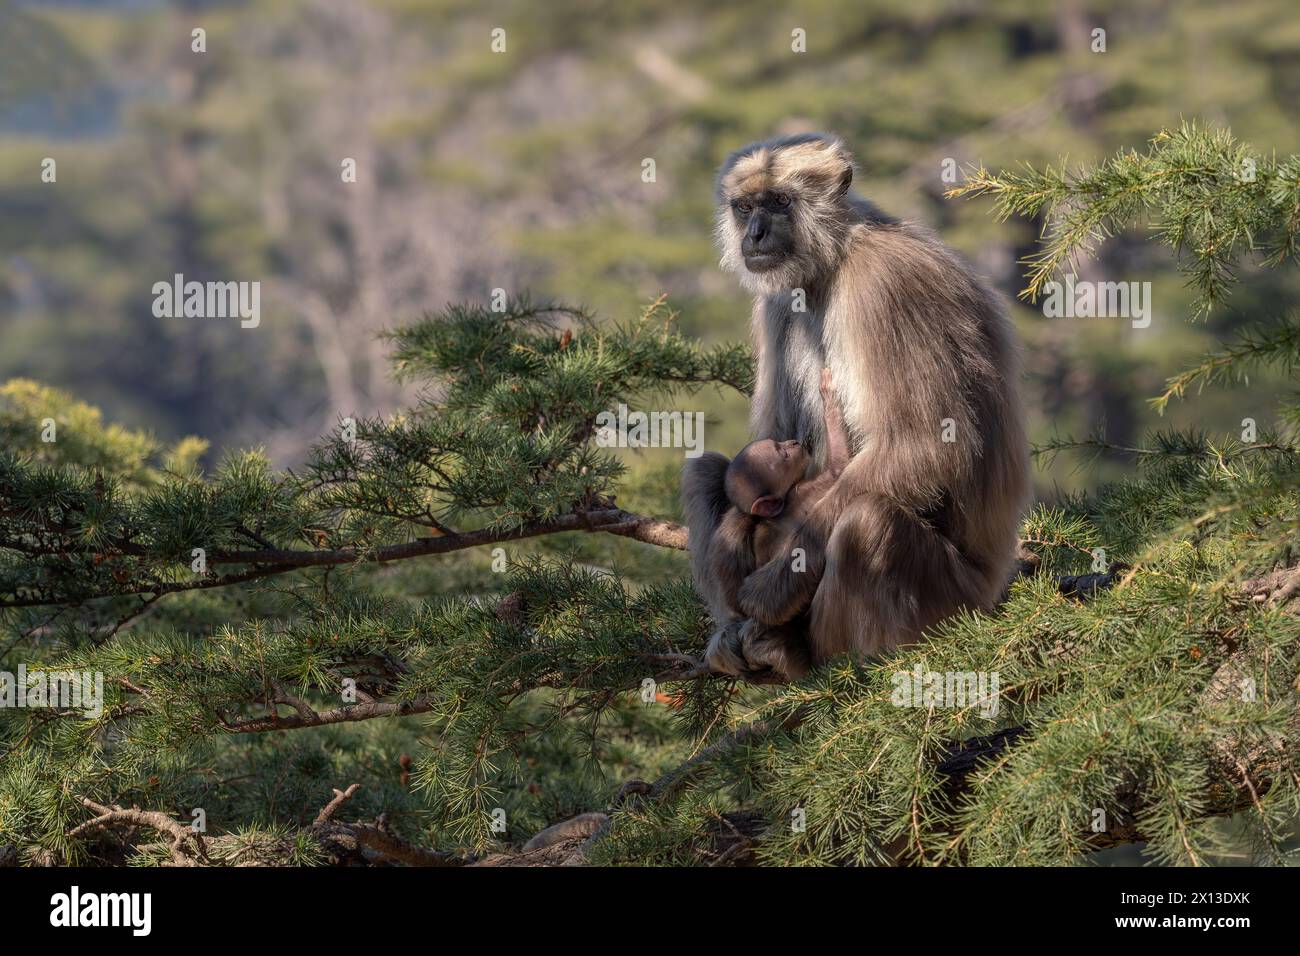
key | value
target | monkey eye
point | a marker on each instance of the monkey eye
(745, 207)
(782, 199)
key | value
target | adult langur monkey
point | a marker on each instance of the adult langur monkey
(923, 520)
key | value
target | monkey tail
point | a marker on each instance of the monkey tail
(704, 502)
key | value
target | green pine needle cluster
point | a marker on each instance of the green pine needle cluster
(1202, 192)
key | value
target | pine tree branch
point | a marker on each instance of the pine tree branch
(613, 520)
(273, 561)
(1242, 769)
(349, 713)
(180, 835)
(346, 842)
(685, 668)
(374, 837)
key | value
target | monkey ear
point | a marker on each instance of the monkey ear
(846, 180)
(768, 506)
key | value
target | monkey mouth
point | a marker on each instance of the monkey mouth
(762, 261)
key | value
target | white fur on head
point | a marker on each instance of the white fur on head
(815, 171)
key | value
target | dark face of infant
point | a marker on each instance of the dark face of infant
(762, 474)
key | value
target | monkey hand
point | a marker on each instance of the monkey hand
(724, 654)
(758, 654)
(775, 594)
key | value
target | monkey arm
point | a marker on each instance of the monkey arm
(758, 653)
(783, 588)
(837, 439)
(763, 404)
(731, 555)
(704, 503)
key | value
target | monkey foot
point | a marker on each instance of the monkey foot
(757, 653)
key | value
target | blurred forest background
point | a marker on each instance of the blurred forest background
(523, 170)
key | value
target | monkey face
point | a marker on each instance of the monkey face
(782, 211)
(762, 474)
(789, 461)
(767, 229)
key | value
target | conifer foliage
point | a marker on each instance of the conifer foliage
(271, 672)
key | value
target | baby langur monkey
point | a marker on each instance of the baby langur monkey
(764, 483)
